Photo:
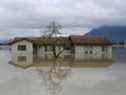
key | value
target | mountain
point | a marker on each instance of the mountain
(114, 33)
(4, 41)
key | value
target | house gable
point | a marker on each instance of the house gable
(22, 46)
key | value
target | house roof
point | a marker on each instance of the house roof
(12, 41)
(42, 40)
(84, 40)
(74, 39)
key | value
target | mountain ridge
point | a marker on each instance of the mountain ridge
(113, 33)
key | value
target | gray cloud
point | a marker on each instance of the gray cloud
(26, 15)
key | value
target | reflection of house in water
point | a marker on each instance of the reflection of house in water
(78, 47)
(55, 72)
(23, 62)
(54, 76)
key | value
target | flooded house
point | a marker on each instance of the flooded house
(91, 48)
(40, 47)
(29, 49)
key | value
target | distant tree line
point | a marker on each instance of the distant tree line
(120, 42)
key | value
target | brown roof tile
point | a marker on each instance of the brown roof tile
(79, 40)
(84, 40)
(42, 40)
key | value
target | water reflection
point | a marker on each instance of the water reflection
(60, 77)
(26, 62)
(53, 72)
(54, 76)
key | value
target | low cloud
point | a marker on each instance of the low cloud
(26, 15)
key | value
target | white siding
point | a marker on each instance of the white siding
(28, 52)
(109, 52)
(92, 52)
(42, 53)
(29, 47)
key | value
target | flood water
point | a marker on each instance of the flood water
(63, 80)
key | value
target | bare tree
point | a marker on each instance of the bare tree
(53, 30)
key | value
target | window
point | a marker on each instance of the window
(91, 52)
(48, 48)
(67, 46)
(86, 52)
(21, 58)
(22, 47)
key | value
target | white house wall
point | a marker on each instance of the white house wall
(109, 52)
(29, 47)
(80, 52)
(28, 52)
(42, 53)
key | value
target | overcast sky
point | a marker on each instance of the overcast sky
(26, 17)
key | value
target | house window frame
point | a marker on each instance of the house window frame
(86, 52)
(21, 47)
(48, 48)
(91, 52)
(67, 46)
